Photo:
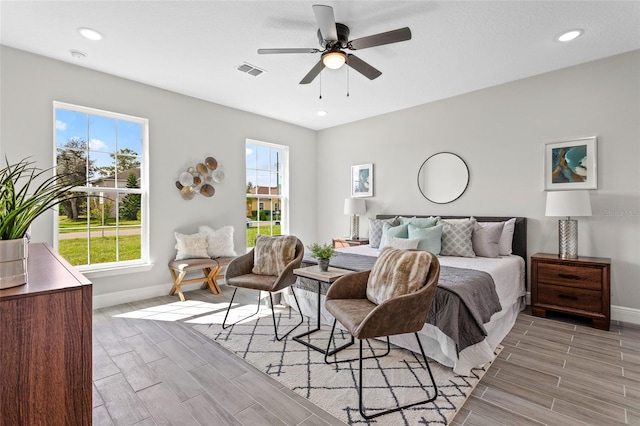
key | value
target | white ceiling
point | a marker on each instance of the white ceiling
(194, 47)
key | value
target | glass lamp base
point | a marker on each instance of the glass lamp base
(568, 238)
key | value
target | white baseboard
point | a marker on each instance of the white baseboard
(118, 297)
(624, 314)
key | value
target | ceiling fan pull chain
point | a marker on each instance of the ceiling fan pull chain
(347, 76)
(320, 85)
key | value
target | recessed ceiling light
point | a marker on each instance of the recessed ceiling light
(90, 34)
(569, 35)
(321, 113)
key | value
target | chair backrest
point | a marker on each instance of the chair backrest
(402, 314)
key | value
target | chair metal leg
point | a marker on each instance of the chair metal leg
(346, 345)
(393, 410)
(224, 325)
(273, 315)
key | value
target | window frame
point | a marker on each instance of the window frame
(124, 266)
(284, 195)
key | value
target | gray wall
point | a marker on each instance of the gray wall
(183, 131)
(500, 132)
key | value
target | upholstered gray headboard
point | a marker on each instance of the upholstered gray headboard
(519, 246)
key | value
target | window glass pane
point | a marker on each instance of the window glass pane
(73, 229)
(102, 133)
(70, 125)
(263, 158)
(102, 167)
(251, 153)
(252, 181)
(72, 163)
(129, 137)
(129, 243)
(74, 247)
(102, 245)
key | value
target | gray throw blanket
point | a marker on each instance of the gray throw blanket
(464, 301)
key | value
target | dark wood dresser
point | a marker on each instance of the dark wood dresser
(45, 344)
(574, 286)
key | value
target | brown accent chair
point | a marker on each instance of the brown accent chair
(239, 275)
(347, 301)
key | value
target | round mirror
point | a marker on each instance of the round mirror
(443, 177)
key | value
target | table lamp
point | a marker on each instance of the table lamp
(568, 203)
(354, 207)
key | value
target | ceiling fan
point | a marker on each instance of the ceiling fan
(334, 39)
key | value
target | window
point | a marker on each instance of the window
(267, 189)
(106, 226)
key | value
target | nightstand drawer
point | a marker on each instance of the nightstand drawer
(569, 297)
(572, 276)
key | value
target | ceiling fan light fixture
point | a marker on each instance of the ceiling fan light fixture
(334, 59)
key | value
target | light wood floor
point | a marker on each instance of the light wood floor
(552, 371)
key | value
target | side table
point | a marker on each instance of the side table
(340, 242)
(574, 286)
(328, 277)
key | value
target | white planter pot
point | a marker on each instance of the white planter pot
(13, 262)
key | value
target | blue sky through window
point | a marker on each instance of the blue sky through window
(105, 135)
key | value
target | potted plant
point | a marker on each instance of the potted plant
(26, 192)
(322, 252)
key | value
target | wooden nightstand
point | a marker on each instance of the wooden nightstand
(347, 242)
(574, 286)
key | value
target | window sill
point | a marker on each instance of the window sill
(92, 272)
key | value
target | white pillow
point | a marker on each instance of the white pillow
(402, 243)
(192, 246)
(506, 239)
(220, 241)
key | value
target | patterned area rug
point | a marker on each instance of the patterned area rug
(395, 379)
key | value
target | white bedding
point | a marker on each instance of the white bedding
(508, 273)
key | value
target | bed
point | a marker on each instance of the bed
(461, 332)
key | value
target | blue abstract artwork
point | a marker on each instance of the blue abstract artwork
(569, 164)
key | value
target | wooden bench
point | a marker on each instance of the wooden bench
(211, 268)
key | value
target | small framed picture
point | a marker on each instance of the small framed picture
(362, 180)
(571, 164)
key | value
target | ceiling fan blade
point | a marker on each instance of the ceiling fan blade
(362, 67)
(311, 75)
(394, 36)
(285, 50)
(326, 22)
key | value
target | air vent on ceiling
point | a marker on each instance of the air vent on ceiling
(250, 69)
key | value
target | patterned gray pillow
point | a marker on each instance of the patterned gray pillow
(456, 237)
(375, 229)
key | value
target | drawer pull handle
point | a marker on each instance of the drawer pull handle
(566, 296)
(569, 276)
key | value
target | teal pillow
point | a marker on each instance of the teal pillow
(430, 238)
(420, 222)
(399, 231)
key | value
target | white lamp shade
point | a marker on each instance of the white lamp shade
(568, 203)
(354, 206)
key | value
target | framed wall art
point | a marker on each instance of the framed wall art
(571, 164)
(362, 180)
